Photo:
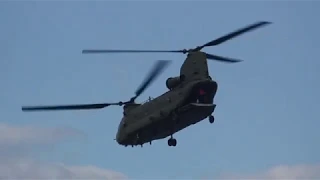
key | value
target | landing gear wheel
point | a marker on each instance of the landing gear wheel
(172, 142)
(211, 119)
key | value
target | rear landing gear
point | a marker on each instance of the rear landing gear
(211, 119)
(172, 142)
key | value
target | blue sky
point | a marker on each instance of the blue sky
(267, 106)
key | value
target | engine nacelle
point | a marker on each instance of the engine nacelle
(173, 82)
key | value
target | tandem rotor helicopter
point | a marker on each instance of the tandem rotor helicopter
(189, 98)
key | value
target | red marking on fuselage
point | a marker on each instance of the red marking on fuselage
(202, 92)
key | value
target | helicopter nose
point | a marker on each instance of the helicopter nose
(120, 139)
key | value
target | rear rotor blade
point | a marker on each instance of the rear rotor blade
(87, 51)
(68, 107)
(153, 74)
(222, 59)
(235, 33)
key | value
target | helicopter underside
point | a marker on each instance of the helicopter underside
(188, 115)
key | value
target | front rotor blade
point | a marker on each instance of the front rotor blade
(86, 51)
(153, 74)
(222, 59)
(236, 33)
(67, 107)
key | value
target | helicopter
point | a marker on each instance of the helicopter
(188, 101)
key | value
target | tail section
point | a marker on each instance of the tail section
(195, 66)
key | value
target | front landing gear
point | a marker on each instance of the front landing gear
(211, 119)
(172, 142)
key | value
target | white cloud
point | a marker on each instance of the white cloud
(14, 140)
(304, 171)
(28, 135)
(31, 169)
(14, 165)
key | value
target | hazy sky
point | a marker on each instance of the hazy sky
(267, 115)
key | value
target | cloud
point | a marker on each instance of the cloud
(15, 141)
(303, 171)
(31, 169)
(28, 135)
